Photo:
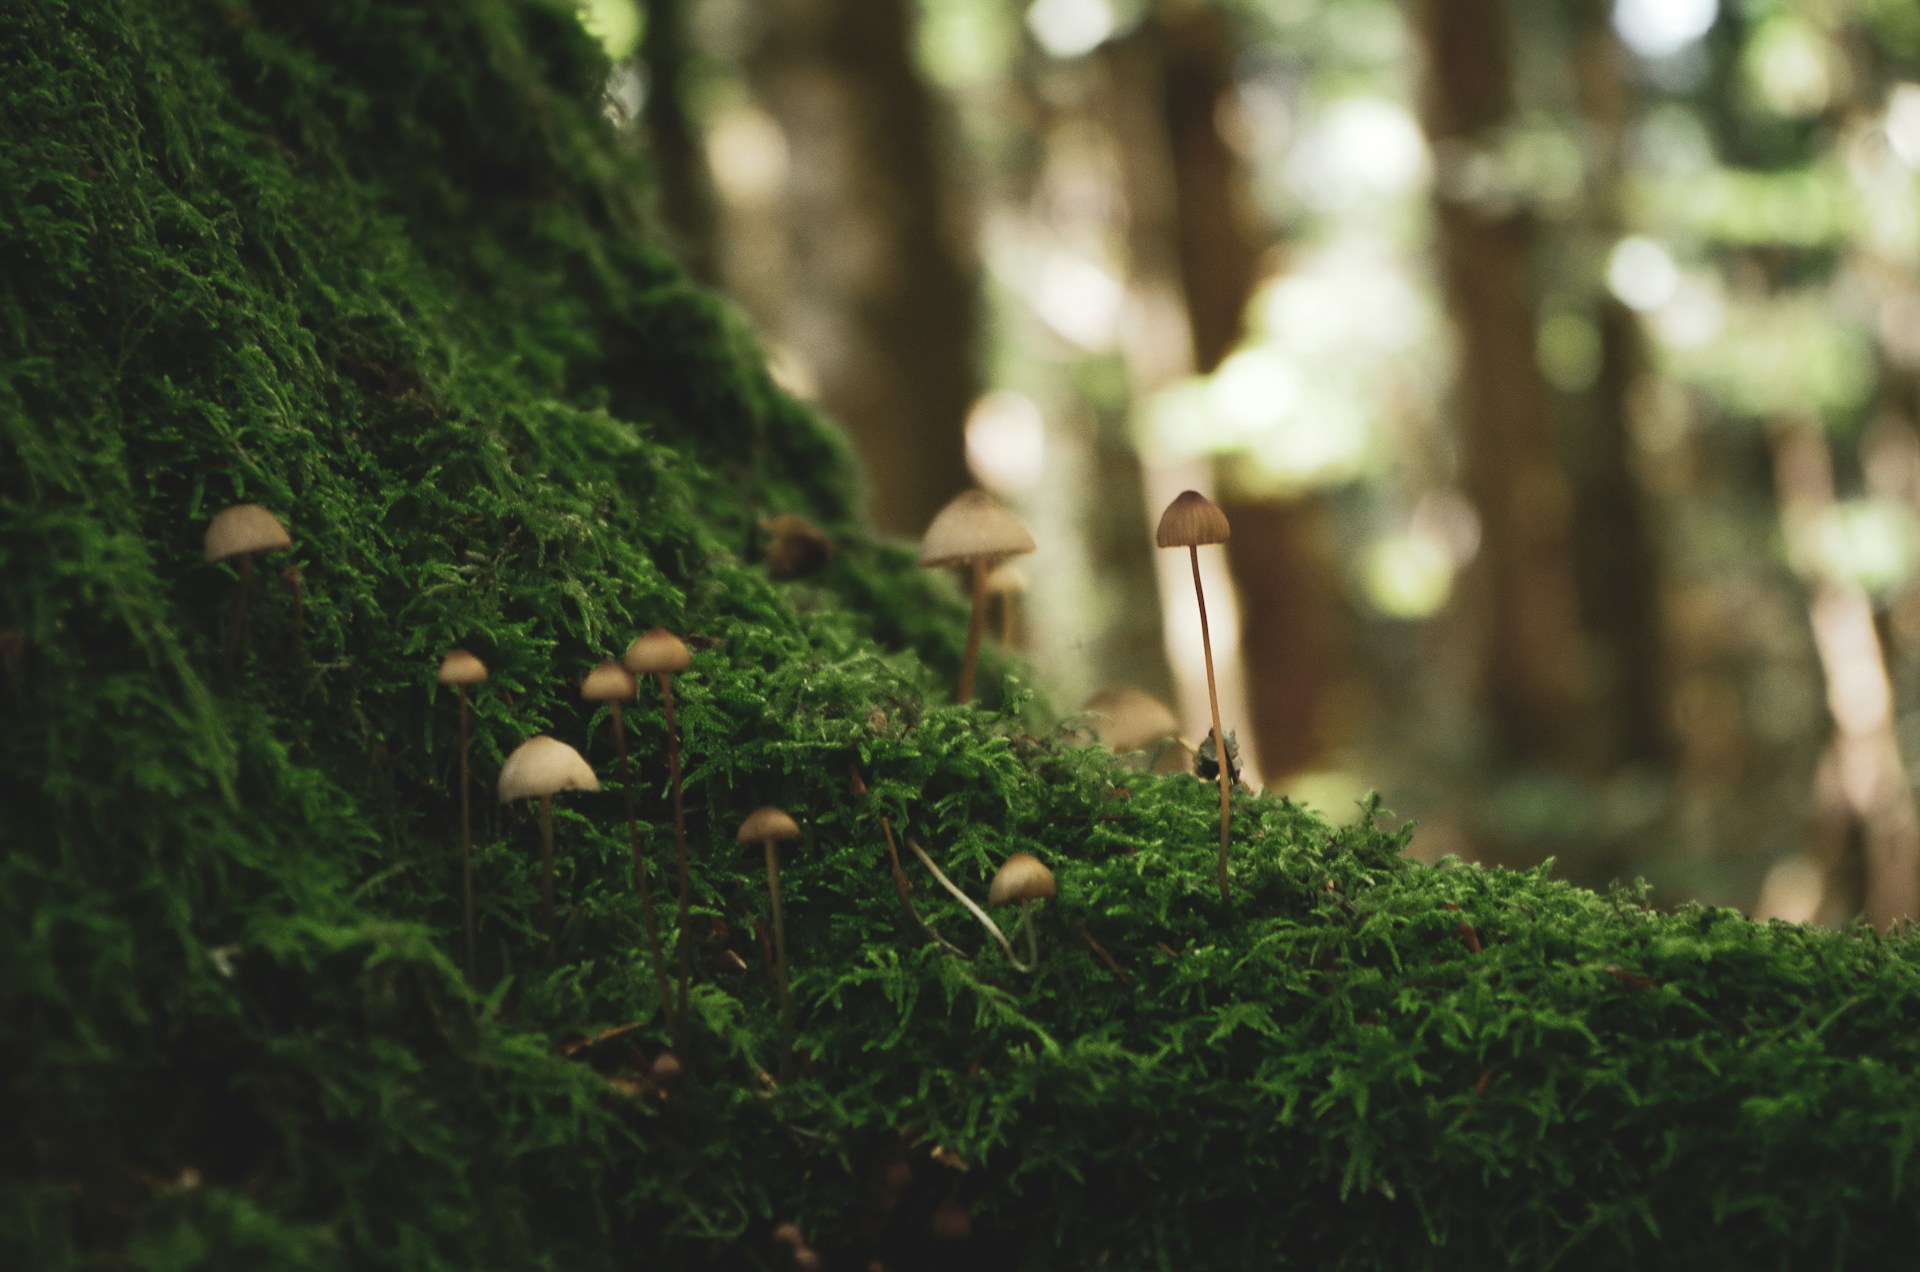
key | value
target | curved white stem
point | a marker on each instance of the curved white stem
(993, 928)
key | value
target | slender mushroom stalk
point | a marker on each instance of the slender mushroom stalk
(543, 766)
(977, 531)
(241, 531)
(659, 653)
(612, 684)
(1024, 879)
(769, 826)
(460, 669)
(1190, 521)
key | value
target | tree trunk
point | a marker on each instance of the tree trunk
(1531, 650)
(686, 195)
(879, 293)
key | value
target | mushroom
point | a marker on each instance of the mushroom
(1024, 879)
(1129, 719)
(659, 653)
(460, 669)
(794, 548)
(542, 766)
(612, 684)
(241, 531)
(1189, 521)
(977, 531)
(769, 826)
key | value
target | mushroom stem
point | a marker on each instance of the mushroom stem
(976, 621)
(466, 833)
(546, 872)
(239, 610)
(640, 882)
(1033, 942)
(780, 957)
(1219, 735)
(993, 929)
(684, 950)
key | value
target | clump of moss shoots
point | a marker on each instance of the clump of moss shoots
(383, 268)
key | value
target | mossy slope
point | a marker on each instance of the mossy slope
(379, 267)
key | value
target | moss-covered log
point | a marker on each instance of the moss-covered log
(377, 267)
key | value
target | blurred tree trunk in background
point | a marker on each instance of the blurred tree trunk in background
(687, 202)
(1523, 583)
(879, 298)
(1617, 557)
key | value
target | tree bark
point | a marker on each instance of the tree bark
(879, 296)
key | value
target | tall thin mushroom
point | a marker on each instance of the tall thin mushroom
(1190, 521)
(241, 531)
(543, 766)
(660, 654)
(460, 669)
(612, 684)
(975, 530)
(769, 826)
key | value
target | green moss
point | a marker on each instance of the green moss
(379, 267)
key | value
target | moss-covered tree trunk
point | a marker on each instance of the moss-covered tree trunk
(374, 267)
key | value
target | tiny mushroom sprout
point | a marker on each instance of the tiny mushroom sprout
(975, 530)
(612, 684)
(1022, 879)
(795, 548)
(662, 655)
(1190, 521)
(769, 826)
(461, 669)
(542, 767)
(241, 531)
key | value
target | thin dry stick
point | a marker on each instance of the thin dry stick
(1219, 735)
(976, 620)
(685, 949)
(1100, 953)
(466, 832)
(647, 915)
(993, 928)
(902, 888)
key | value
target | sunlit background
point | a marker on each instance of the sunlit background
(1558, 365)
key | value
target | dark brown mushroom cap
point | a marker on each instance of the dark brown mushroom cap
(461, 668)
(1020, 878)
(609, 682)
(795, 547)
(974, 527)
(544, 766)
(1191, 520)
(657, 652)
(1129, 719)
(767, 823)
(245, 528)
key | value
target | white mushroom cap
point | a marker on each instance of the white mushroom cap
(1129, 719)
(609, 682)
(543, 766)
(657, 652)
(767, 823)
(245, 528)
(1020, 878)
(461, 668)
(974, 527)
(1191, 520)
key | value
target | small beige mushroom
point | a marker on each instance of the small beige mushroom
(541, 767)
(461, 669)
(241, 531)
(1006, 584)
(1127, 720)
(662, 655)
(1022, 880)
(977, 531)
(769, 826)
(1189, 522)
